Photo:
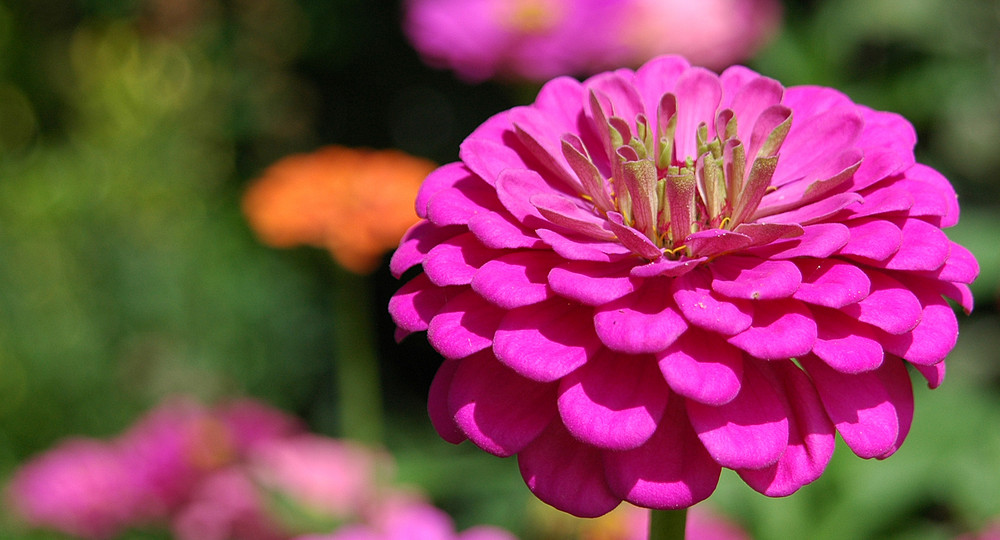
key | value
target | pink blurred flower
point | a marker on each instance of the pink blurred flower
(525, 39)
(711, 33)
(648, 276)
(326, 477)
(82, 487)
(409, 519)
(541, 39)
(227, 505)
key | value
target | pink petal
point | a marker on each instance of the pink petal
(498, 230)
(812, 143)
(457, 204)
(566, 213)
(751, 278)
(566, 474)
(593, 283)
(625, 100)
(814, 212)
(657, 77)
(613, 401)
(752, 98)
(515, 187)
(672, 470)
(464, 325)
(713, 242)
(845, 344)
(819, 240)
(633, 239)
(934, 374)
(811, 435)
(960, 267)
(456, 260)
(416, 303)
(924, 247)
(541, 136)
(499, 410)
(546, 341)
(440, 413)
(890, 305)
(872, 239)
(666, 268)
(698, 95)
(781, 329)
(577, 248)
(416, 243)
(749, 432)
(644, 321)
(923, 173)
(859, 405)
(442, 178)
(932, 339)
(703, 308)
(516, 279)
(897, 381)
(702, 367)
(831, 283)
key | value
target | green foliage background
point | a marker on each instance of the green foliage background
(129, 129)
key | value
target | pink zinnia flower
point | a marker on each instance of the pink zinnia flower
(82, 487)
(405, 518)
(227, 505)
(647, 276)
(521, 39)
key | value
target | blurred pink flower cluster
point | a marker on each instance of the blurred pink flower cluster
(540, 39)
(241, 471)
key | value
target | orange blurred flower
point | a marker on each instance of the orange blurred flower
(357, 203)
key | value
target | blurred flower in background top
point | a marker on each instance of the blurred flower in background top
(356, 203)
(759, 265)
(536, 40)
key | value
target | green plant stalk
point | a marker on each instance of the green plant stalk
(355, 361)
(667, 524)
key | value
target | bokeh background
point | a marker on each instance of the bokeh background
(129, 130)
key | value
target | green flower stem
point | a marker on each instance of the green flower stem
(667, 524)
(355, 362)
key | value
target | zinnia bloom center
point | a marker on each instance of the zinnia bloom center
(665, 197)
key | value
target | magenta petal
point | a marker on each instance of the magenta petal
(890, 305)
(702, 367)
(416, 243)
(924, 247)
(645, 321)
(814, 212)
(859, 405)
(960, 267)
(932, 339)
(754, 279)
(456, 260)
(701, 307)
(749, 432)
(831, 283)
(578, 248)
(845, 344)
(440, 179)
(666, 268)
(499, 231)
(872, 239)
(416, 303)
(464, 325)
(922, 173)
(593, 283)
(698, 94)
(515, 187)
(613, 401)
(499, 410)
(566, 474)
(896, 380)
(656, 77)
(672, 470)
(633, 239)
(456, 205)
(821, 139)
(781, 329)
(564, 212)
(516, 279)
(819, 240)
(713, 242)
(934, 374)
(811, 435)
(437, 402)
(546, 341)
